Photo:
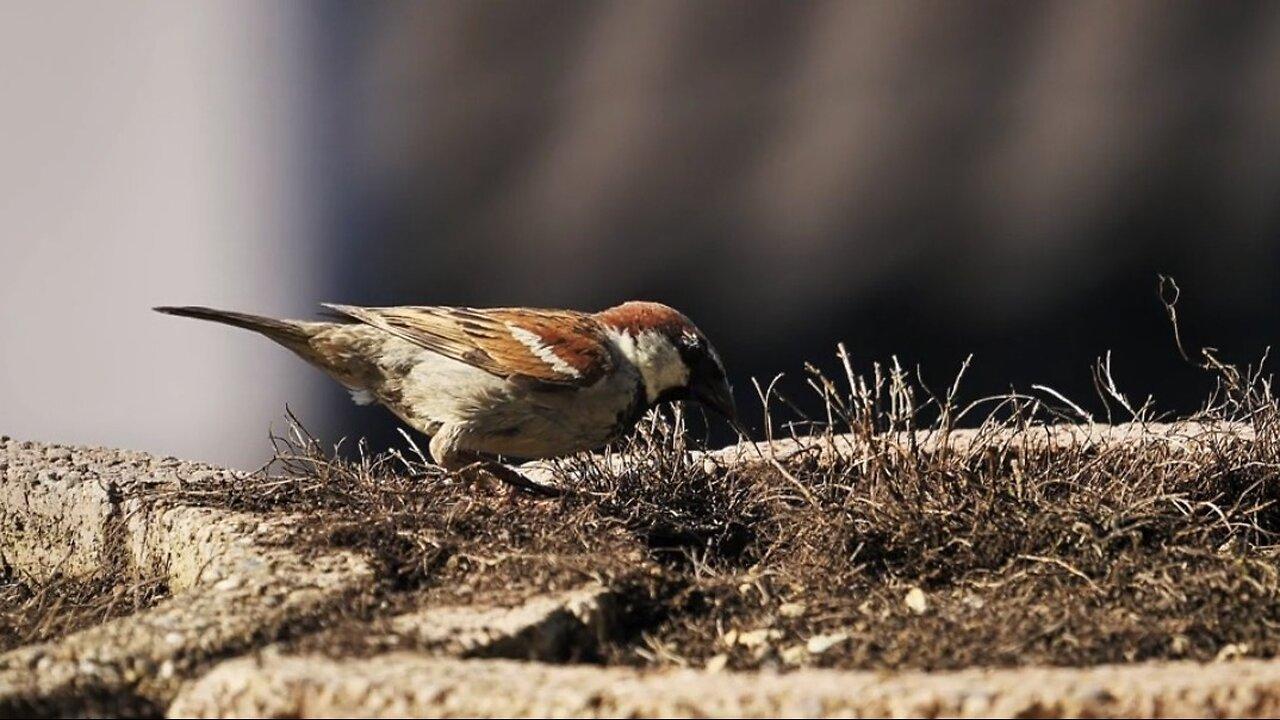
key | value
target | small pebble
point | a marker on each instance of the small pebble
(716, 663)
(795, 655)
(819, 644)
(758, 637)
(791, 610)
(916, 601)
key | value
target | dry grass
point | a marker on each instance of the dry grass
(1075, 555)
(40, 612)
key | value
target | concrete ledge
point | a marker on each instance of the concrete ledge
(1193, 438)
(244, 597)
(552, 628)
(60, 506)
(234, 589)
(405, 684)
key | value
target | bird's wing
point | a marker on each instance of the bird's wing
(554, 347)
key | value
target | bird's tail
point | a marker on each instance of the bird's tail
(290, 333)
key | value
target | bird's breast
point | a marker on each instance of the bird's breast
(546, 423)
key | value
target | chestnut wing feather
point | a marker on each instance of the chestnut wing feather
(556, 347)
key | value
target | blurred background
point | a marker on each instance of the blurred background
(918, 179)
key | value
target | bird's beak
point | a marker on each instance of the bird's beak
(718, 397)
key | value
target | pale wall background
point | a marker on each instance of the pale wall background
(151, 153)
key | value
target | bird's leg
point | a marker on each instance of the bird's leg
(472, 466)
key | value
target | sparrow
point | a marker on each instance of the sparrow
(487, 383)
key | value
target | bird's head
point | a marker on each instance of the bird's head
(675, 360)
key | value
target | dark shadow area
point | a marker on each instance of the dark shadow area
(1003, 179)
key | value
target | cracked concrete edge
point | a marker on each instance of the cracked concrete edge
(269, 685)
(235, 587)
(552, 628)
(248, 596)
(60, 506)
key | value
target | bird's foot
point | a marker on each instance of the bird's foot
(483, 473)
(519, 482)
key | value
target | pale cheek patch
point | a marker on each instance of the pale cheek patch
(657, 360)
(542, 352)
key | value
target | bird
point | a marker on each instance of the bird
(488, 384)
